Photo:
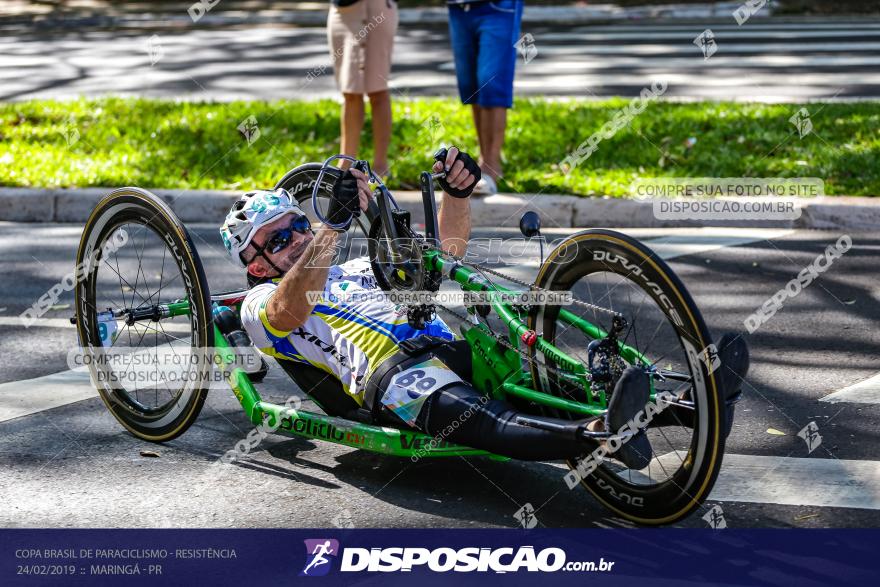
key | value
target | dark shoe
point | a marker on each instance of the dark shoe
(734, 355)
(631, 394)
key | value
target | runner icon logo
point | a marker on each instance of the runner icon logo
(526, 516)
(318, 556)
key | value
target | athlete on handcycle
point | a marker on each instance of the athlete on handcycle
(360, 357)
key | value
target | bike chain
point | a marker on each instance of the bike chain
(531, 286)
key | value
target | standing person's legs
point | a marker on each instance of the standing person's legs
(477, 112)
(380, 26)
(380, 110)
(463, 36)
(351, 124)
(347, 54)
(491, 123)
(498, 30)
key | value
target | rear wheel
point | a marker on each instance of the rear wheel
(618, 273)
(148, 362)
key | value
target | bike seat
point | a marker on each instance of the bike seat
(322, 387)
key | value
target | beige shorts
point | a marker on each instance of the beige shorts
(361, 39)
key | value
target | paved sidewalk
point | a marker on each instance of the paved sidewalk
(501, 210)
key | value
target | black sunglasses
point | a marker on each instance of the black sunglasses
(280, 239)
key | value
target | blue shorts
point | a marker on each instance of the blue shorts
(484, 35)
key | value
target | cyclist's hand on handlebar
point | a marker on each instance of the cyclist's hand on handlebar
(462, 172)
(364, 193)
(350, 196)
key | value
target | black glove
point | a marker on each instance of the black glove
(469, 165)
(344, 205)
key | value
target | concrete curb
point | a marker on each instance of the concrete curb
(500, 210)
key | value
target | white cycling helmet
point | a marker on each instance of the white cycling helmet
(251, 211)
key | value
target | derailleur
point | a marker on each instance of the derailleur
(417, 315)
(603, 356)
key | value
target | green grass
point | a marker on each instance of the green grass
(165, 144)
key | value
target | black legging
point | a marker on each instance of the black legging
(460, 414)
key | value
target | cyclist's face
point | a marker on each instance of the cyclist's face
(283, 259)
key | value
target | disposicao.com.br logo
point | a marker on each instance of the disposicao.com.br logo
(318, 551)
(441, 560)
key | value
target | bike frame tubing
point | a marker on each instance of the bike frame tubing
(471, 280)
(293, 422)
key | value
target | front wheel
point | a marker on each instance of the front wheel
(613, 271)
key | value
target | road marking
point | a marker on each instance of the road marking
(799, 481)
(793, 481)
(710, 239)
(588, 40)
(683, 241)
(41, 322)
(22, 398)
(785, 480)
(863, 392)
(178, 327)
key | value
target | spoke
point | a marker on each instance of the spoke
(608, 292)
(119, 273)
(166, 284)
(137, 273)
(130, 363)
(672, 446)
(632, 326)
(122, 279)
(161, 276)
(592, 301)
(163, 331)
(665, 472)
(656, 331)
(141, 269)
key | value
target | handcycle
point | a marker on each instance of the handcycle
(625, 307)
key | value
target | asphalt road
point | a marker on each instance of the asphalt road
(73, 465)
(768, 60)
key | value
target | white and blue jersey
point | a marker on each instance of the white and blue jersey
(348, 334)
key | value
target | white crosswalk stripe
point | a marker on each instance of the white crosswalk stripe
(863, 392)
(23, 398)
(818, 482)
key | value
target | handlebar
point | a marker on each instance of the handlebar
(359, 164)
(364, 166)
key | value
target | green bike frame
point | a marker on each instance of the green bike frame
(498, 372)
